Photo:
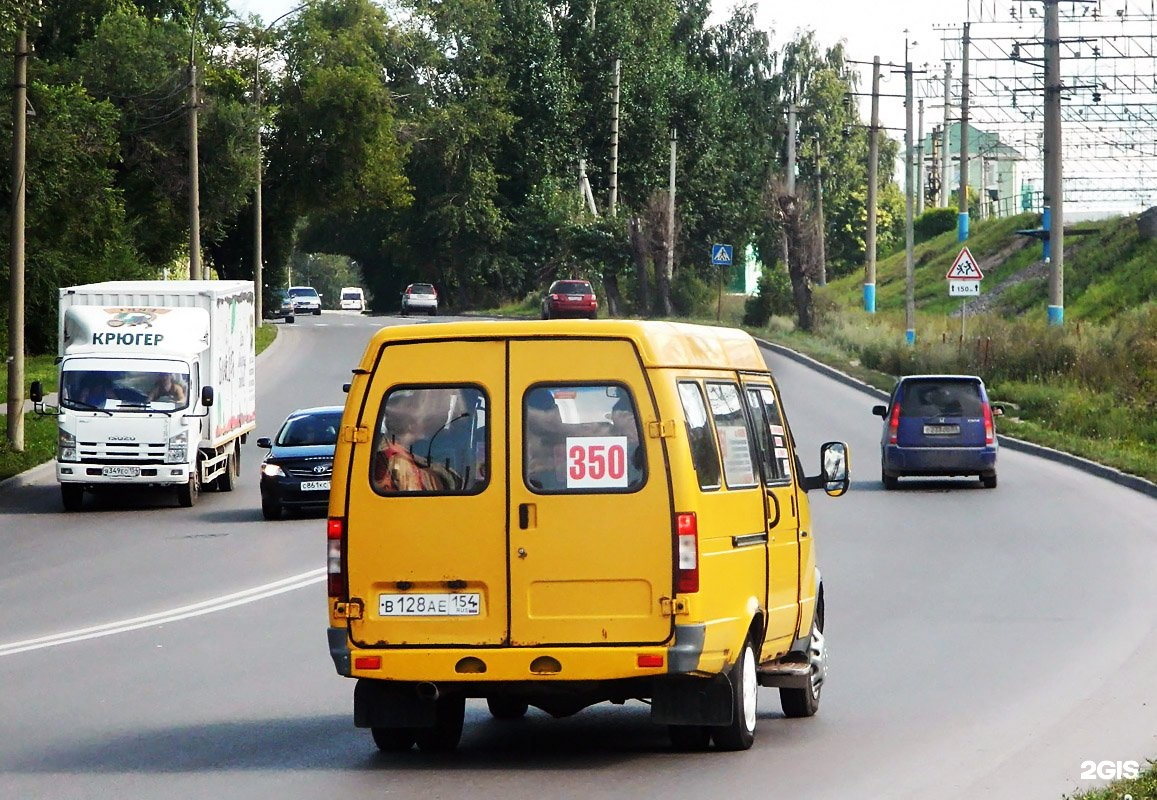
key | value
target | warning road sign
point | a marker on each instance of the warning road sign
(964, 268)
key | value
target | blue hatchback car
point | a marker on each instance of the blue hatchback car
(938, 425)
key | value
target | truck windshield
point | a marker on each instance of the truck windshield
(152, 389)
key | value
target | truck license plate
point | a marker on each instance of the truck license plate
(121, 472)
(459, 604)
(315, 486)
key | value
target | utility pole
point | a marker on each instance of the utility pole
(612, 204)
(873, 165)
(585, 187)
(16, 246)
(670, 267)
(909, 237)
(962, 219)
(258, 229)
(1054, 217)
(194, 170)
(822, 254)
(945, 137)
(920, 159)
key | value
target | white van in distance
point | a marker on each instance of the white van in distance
(352, 299)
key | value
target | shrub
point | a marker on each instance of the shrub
(934, 222)
(772, 296)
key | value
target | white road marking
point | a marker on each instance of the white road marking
(289, 584)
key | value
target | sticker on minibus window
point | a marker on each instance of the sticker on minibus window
(596, 462)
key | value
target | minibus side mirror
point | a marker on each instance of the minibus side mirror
(834, 479)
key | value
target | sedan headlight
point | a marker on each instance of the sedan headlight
(272, 470)
(65, 446)
(178, 450)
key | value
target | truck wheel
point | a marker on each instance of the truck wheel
(804, 702)
(393, 740)
(227, 480)
(506, 707)
(72, 496)
(447, 731)
(740, 734)
(190, 493)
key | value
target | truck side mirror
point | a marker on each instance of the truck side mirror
(36, 392)
(207, 396)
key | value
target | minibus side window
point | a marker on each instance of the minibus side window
(770, 435)
(703, 453)
(582, 438)
(734, 436)
(431, 440)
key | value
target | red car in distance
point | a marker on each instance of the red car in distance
(570, 298)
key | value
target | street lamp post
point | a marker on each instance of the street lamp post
(258, 249)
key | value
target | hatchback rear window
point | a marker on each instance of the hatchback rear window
(571, 287)
(421, 288)
(431, 440)
(941, 398)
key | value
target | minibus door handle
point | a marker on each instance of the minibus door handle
(523, 516)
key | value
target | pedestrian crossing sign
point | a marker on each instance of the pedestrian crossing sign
(964, 268)
(721, 255)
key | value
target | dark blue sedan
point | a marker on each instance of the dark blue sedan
(295, 475)
(938, 425)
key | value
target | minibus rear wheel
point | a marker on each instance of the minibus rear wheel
(740, 734)
(689, 738)
(393, 740)
(506, 707)
(449, 715)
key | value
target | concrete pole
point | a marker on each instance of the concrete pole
(585, 187)
(909, 192)
(945, 137)
(920, 159)
(613, 202)
(1054, 178)
(962, 205)
(258, 231)
(670, 268)
(16, 247)
(873, 167)
(791, 135)
(194, 170)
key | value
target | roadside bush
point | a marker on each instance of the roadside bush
(934, 222)
(772, 296)
(690, 294)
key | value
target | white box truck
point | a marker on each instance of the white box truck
(157, 386)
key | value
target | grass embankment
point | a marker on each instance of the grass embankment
(40, 431)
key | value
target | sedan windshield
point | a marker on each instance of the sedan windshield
(310, 430)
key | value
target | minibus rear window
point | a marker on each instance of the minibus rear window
(582, 438)
(704, 456)
(431, 440)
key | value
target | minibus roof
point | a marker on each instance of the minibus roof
(660, 344)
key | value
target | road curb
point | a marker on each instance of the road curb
(1133, 482)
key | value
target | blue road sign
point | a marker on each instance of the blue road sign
(721, 255)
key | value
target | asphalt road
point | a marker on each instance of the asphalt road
(984, 643)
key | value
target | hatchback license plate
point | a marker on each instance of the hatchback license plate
(315, 486)
(458, 604)
(941, 430)
(121, 472)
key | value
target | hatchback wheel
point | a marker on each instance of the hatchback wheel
(988, 480)
(890, 481)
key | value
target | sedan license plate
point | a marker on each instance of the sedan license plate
(315, 486)
(458, 604)
(121, 472)
(941, 430)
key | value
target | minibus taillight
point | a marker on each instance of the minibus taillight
(335, 528)
(989, 432)
(687, 539)
(894, 424)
